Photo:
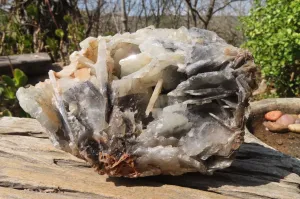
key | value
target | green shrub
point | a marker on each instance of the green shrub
(76, 33)
(9, 105)
(273, 36)
(30, 28)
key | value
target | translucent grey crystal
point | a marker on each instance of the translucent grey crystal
(157, 101)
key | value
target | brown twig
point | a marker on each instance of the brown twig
(52, 16)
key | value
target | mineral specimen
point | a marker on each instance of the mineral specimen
(157, 101)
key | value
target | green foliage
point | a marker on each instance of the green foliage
(15, 40)
(68, 18)
(273, 36)
(8, 87)
(52, 46)
(31, 27)
(20, 79)
(32, 11)
(7, 113)
(60, 33)
(76, 33)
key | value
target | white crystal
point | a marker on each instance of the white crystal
(148, 103)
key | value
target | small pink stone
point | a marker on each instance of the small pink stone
(274, 127)
(273, 115)
(286, 120)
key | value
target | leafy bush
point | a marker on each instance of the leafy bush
(76, 33)
(34, 27)
(9, 104)
(14, 40)
(273, 36)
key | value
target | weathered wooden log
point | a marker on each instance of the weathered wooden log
(21, 126)
(31, 64)
(287, 105)
(33, 168)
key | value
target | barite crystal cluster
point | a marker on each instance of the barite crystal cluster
(156, 101)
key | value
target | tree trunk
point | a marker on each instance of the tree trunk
(209, 13)
(97, 17)
(124, 17)
(192, 11)
(145, 12)
(188, 19)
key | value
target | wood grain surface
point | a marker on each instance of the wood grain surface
(32, 168)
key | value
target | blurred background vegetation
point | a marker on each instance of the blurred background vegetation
(270, 29)
(272, 33)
